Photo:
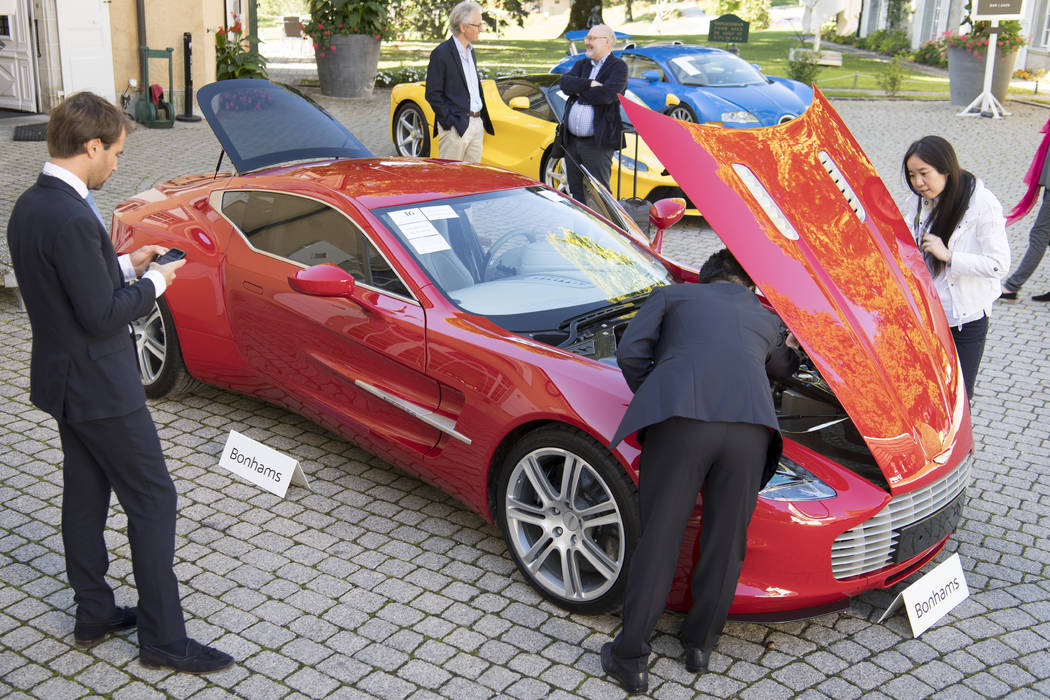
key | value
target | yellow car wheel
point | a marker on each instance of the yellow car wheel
(554, 175)
(411, 131)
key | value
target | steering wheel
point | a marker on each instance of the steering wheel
(490, 257)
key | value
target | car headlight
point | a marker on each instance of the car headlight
(792, 482)
(627, 163)
(740, 117)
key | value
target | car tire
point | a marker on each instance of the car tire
(553, 173)
(682, 112)
(581, 568)
(411, 131)
(158, 355)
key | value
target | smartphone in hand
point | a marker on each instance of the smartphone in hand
(172, 255)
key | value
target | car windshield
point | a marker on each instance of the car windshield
(714, 70)
(526, 258)
(558, 99)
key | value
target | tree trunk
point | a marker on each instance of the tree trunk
(580, 14)
(628, 16)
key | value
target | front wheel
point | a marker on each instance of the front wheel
(411, 131)
(682, 112)
(569, 514)
(158, 355)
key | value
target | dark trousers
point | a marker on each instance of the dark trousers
(122, 454)
(969, 344)
(1038, 240)
(590, 155)
(678, 457)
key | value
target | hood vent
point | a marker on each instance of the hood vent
(840, 181)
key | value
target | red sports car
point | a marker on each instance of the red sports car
(461, 321)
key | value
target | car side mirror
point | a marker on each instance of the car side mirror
(663, 215)
(519, 102)
(672, 100)
(325, 280)
(653, 76)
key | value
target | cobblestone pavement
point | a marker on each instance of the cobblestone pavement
(375, 583)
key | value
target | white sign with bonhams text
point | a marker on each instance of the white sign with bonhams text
(261, 465)
(932, 596)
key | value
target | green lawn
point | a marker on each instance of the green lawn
(768, 49)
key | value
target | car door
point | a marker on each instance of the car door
(654, 95)
(357, 364)
(521, 134)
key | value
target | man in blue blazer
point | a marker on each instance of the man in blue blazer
(592, 129)
(80, 298)
(696, 357)
(453, 90)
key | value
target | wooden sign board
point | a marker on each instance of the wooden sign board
(728, 28)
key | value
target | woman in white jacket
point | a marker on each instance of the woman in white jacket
(960, 228)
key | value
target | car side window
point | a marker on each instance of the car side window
(636, 65)
(538, 106)
(310, 233)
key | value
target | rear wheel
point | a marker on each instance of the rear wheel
(569, 514)
(553, 172)
(158, 355)
(411, 131)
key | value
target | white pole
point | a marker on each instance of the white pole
(985, 104)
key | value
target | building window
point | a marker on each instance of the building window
(5, 26)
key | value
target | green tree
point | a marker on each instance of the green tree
(580, 13)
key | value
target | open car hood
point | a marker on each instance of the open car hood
(803, 210)
(260, 124)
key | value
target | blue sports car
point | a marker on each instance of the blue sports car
(707, 84)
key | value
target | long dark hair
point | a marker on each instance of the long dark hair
(953, 201)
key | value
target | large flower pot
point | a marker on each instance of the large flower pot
(966, 74)
(346, 66)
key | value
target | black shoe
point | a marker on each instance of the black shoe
(1042, 297)
(696, 659)
(197, 659)
(89, 634)
(631, 681)
(1008, 296)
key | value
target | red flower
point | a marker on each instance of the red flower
(332, 47)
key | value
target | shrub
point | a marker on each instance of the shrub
(891, 80)
(894, 43)
(932, 53)
(803, 66)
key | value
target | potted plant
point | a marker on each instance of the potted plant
(967, 55)
(346, 35)
(237, 54)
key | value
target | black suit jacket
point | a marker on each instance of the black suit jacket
(447, 89)
(703, 351)
(608, 128)
(83, 362)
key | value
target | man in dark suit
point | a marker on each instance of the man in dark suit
(592, 128)
(454, 89)
(80, 298)
(697, 357)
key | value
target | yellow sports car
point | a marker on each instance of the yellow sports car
(523, 109)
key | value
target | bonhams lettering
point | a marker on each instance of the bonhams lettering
(937, 596)
(255, 465)
(261, 465)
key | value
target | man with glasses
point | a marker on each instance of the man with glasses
(593, 130)
(454, 89)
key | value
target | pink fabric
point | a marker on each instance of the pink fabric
(1032, 178)
(156, 93)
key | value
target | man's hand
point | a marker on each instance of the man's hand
(595, 83)
(141, 258)
(167, 270)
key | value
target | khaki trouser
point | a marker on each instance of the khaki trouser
(467, 147)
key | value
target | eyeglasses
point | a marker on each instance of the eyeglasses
(596, 38)
(476, 26)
